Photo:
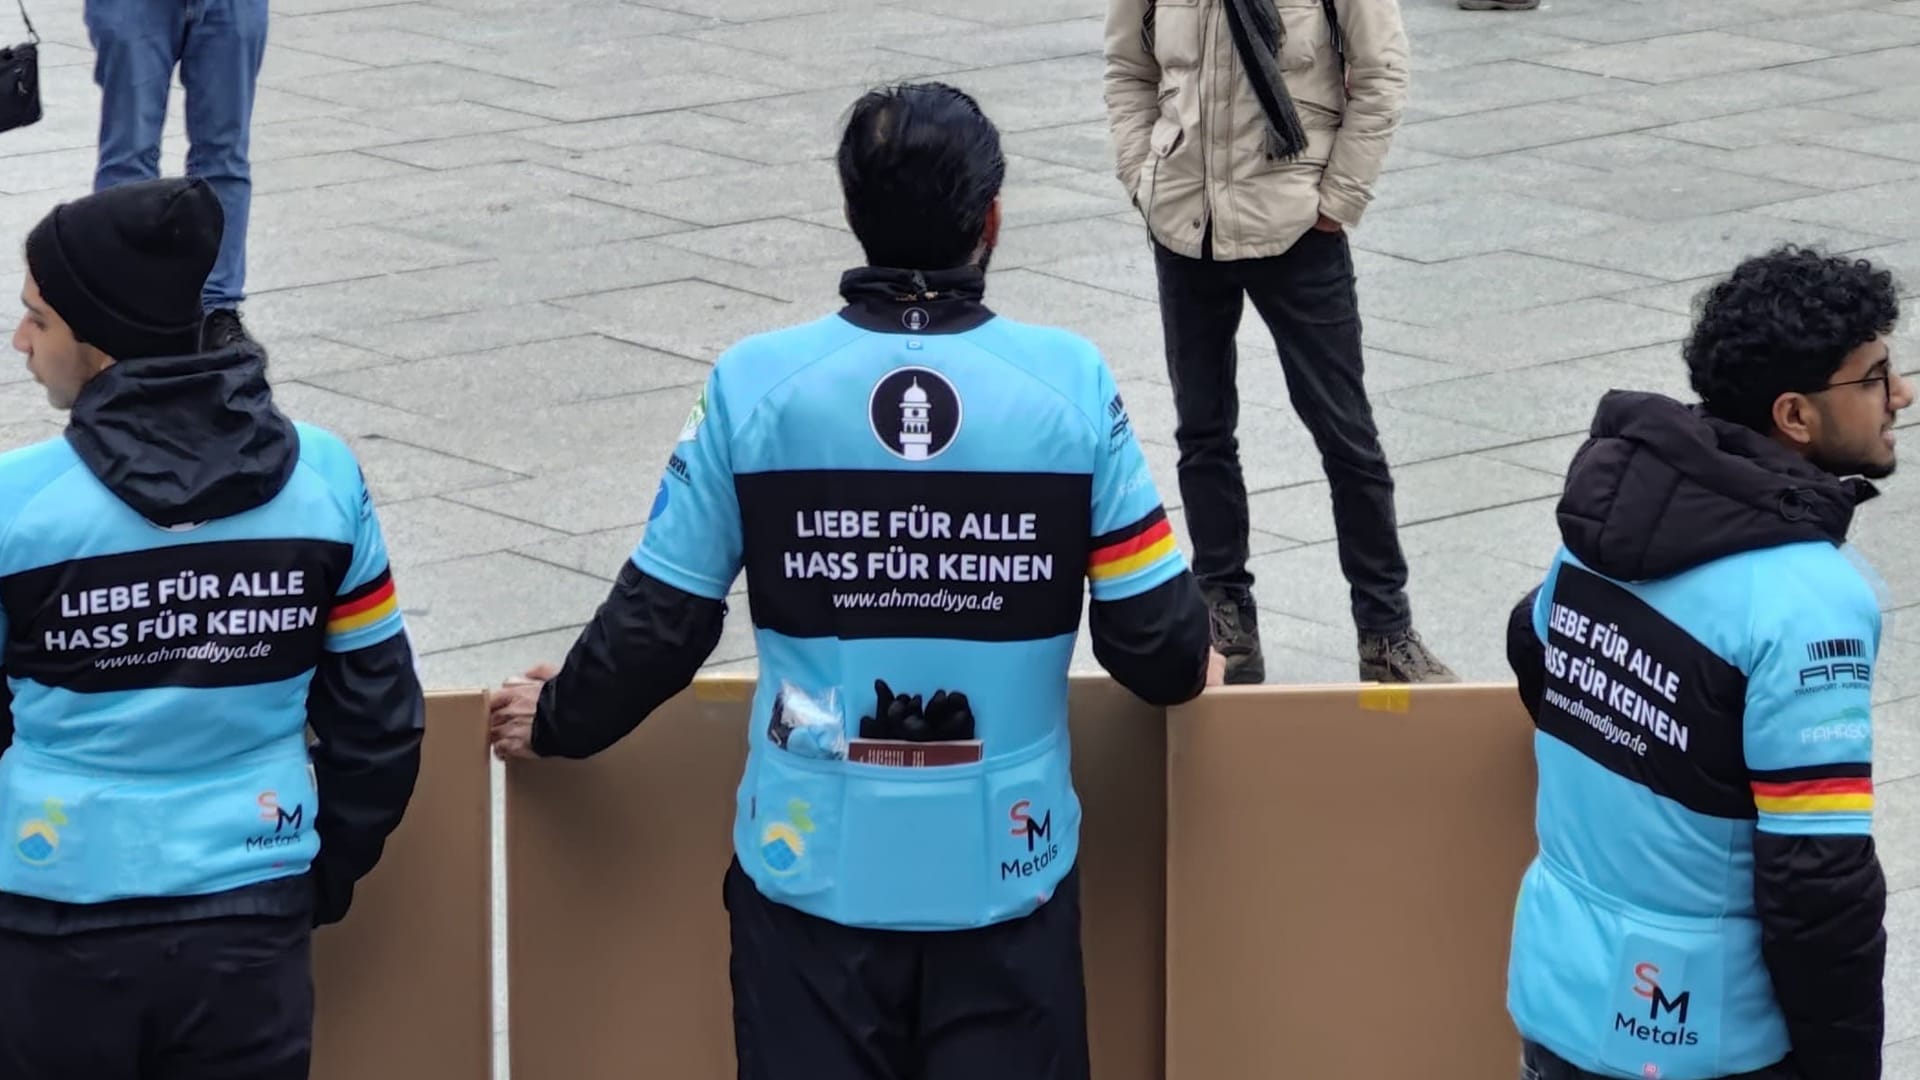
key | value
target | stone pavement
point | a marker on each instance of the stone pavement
(496, 243)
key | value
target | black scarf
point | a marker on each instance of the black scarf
(1257, 36)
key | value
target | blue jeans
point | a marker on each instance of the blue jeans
(218, 46)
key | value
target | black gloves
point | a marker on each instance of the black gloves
(946, 718)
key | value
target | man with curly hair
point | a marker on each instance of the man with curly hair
(1707, 901)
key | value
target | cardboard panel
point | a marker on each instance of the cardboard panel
(403, 983)
(1341, 879)
(618, 941)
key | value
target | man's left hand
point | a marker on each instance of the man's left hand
(510, 712)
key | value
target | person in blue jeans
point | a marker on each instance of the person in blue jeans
(218, 45)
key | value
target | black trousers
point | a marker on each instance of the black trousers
(1308, 301)
(220, 999)
(1539, 1063)
(814, 1000)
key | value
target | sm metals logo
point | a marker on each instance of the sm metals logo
(1665, 1021)
(1037, 832)
(286, 823)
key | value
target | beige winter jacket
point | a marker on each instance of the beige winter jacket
(1190, 139)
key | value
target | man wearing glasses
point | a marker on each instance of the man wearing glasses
(1707, 901)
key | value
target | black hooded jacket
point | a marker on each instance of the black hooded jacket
(1659, 488)
(195, 438)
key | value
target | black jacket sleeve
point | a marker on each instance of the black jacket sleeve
(1822, 902)
(6, 715)
(368, 715)
(1526, 653)
(644, 645)
(1156, 643)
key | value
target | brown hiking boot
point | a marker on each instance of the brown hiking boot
(1401, 658)
(1236, 633)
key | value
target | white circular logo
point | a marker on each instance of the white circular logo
(915, 318)
(914, 412)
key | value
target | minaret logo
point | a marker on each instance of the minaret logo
(914, 412)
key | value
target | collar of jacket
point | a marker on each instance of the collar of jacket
(891, 301)
(185, 439)
(1660, 487)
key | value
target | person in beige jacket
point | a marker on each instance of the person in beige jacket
(1250, 134)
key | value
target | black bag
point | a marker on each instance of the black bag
(20, 79)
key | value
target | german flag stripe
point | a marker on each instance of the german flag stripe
(364, 606)
(1127, 532)
(1837, 769)
(1141, 549)
(1844, 794)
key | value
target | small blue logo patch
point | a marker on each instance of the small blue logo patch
(659, 501)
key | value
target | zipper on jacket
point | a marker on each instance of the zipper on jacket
(1206, 139)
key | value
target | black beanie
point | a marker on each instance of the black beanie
(125, 266)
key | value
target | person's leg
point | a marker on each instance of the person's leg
(70, 1006)
(1308, 300)
(1200, 309)
(1008, 1000)
(236, 1002)
(814, 999)
(136, 44)
(225, 42)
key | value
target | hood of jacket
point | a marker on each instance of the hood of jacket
(185, 439)
(1660, 487)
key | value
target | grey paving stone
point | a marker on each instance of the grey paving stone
(1697, 247)
(1868, 69)
(1437, 293)
(420, 83)
(600, 553)
(321, 170)
(1503, 341)
(1896, 740)
(1525, 171)
(1902, 1061)
(1456, 91)
(1903, 966)
(538, 374)
(1683, 56)
(1708, 96)
(1812, 166)
(520, 228)
(1665, 191)
(1436, 50)
(1425, 491)
(482, 598)
(465, 331)
(1896, 813)
(463, 151)
(484, 666)
(1882, 209)
(344, 254)
(1524, 531)
(770, 242)
(586, 498)
(423, 531)
(303, 358)
(397, 470)
(1518, 128)
(697, 320)
(1764, 127)
(1478, 220)
(1849, 31)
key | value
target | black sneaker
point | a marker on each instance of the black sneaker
(1236, 633)
(1401, 658)
(223, 329)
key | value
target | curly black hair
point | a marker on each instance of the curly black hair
(1783, 322)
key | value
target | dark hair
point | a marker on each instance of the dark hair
(919, 164)
(1783, 322)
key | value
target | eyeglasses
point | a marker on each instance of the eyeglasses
(1885, 379)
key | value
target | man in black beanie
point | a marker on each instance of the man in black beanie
(120, 272)
(189, 582)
